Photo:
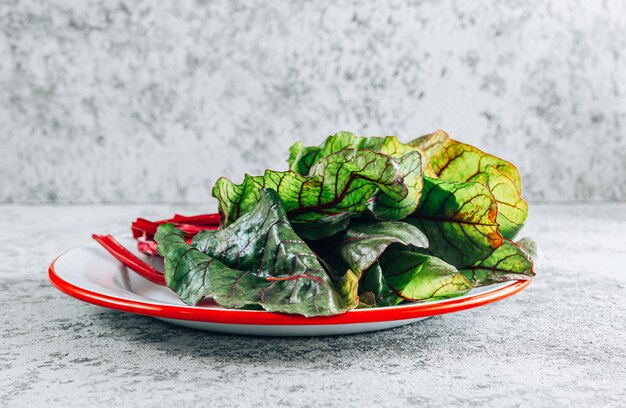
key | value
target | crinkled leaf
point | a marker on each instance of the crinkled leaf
(366, 240)
(459, 220)
(508, 262)
(416, 276)
(342, 183)
(375, 283)
(388, 207)
(455, 161)
(304, 159)
(512, 209)
(259, 260)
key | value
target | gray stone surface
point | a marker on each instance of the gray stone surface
(100, 97)
(561, 342)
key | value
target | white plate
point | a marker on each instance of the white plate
(91, 274)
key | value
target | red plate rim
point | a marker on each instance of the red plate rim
(256, 317)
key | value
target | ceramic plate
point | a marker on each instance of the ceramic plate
(91, 274)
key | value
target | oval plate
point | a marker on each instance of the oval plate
(91, 274)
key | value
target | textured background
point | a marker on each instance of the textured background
(105, 101)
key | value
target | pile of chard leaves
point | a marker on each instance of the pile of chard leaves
(356, 222)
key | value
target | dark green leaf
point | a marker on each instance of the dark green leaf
(422, 277)
(507, 262)
(459, 220)
(260, 260)
(373, 282)
(323, 227)
(366, 240)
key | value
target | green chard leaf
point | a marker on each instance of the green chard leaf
(387, 207)
(304, 159)
(342, 185)
(257, 260)
(459, 220)
(359, 248)
(454, 161)
(366, 240)
(512, 209)
(418, 277)
(508, 262)
(373, 282)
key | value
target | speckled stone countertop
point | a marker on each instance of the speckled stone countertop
(561, 342)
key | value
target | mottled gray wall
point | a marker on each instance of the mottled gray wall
(152, 101)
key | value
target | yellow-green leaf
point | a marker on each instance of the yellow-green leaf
(454, 161)
(422, 277)
(459, 220)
